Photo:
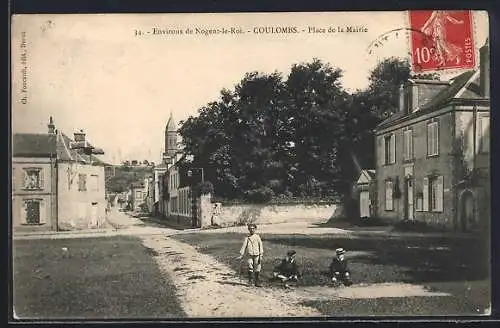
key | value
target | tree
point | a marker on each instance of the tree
(300, 136)
(382, 96)
(317, 106)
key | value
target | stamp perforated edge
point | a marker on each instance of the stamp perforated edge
(448, 71)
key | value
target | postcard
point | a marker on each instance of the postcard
(250, 165)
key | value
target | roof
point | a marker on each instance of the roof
(47, 145)
(33, 145)
(446, 95)
(171, 126)
(442, 98)
(366, 176)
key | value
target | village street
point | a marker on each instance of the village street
(144, 270)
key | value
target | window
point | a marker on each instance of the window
(484, 134)
(433, 194)
(138, 194)
(408, 144)
(419, 203)
(433, 139)
(94, 182)
(33, 212)
(33, 178)
(82, 182)
(388, 195)
(390, 149)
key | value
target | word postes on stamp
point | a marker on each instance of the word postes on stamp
(441, 40)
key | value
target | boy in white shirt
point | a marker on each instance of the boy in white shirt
(253, 250)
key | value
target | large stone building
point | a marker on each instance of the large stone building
(57, 182)
(433, 156)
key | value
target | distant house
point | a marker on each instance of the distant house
(433, 156)
(138, 194)
(150, 193)
(158, 172)
(366, 188)
(57, 182)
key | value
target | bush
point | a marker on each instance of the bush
(371, 222)
(203, 188)
(260, 195)
(416, 226)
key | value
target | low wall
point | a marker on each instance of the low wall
(231, 215)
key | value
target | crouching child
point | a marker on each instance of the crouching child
(339, 271)
(288, 270)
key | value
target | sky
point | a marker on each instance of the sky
(93, 72)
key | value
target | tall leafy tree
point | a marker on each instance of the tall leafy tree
(317, 109)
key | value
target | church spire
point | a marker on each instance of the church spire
(171, 137)
(171, 126)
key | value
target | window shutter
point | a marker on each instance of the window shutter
(429, 139)
(439, 196)
(425, 192)
(42, 179)
(406, 145)
(43, 212)
(24, 184)
(410, 144)
(432, 140)
(382, 152)
(436, 135)
(393, 148)
(483, 134)
(479, 134)
(24, 211)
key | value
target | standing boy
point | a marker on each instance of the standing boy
(252, 249)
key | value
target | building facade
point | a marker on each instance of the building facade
(57, 182)
(138, 196)
(432, 157)
(171, 182)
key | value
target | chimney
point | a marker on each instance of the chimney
(402, 98)
(79, 136)
(484, 69)
(51, 126)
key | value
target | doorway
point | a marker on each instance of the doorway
(364, 204)
(408, 188)
(93, 215)
(467, 217)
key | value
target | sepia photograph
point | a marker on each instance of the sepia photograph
(250, 165)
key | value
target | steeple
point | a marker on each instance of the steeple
(171, 137)
(171, 126)
(51, 126)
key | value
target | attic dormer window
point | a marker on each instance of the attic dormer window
(411, 97)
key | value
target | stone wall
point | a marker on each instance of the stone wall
(231, 215)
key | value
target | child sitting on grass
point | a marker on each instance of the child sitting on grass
(339, 269)
(287, 270)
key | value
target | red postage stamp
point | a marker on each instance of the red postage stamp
(442, 39)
